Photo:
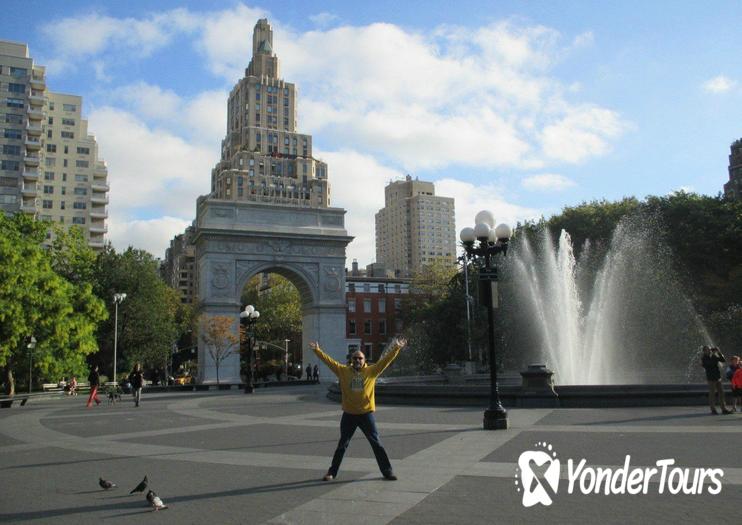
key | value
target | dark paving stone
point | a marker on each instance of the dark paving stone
(465, 417)
(58, 486)
(121, 418)
(660, 416)
(263, 408)
(606, 448)
(468, 500)
(289, 439)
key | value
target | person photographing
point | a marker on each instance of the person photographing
(357, 385)
(711, 357)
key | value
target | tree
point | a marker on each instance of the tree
(36, 301)
(218, 334)
(279, 304)
(151, 318)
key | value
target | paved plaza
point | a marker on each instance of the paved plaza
(226, 457)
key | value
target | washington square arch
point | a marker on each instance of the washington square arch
(268, 212)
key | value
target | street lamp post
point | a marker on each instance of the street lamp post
(492, 241)
(118, 298)
(286, 359)
(248, 318)
(31, 346)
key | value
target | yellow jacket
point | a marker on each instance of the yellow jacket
(358, 387)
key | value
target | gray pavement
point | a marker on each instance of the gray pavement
(226, 457)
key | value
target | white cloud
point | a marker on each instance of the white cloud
(150, 167)
(581, 133)
(357, 184)
(152, 235)
(470, 199)
(719, 84)
(323, 19)
(89, 35)
(547, 182)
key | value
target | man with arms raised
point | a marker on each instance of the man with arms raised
(357, 384)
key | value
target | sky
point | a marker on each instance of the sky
(521, 108)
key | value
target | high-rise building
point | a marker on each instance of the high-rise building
(50, 165)
(24, 95)
(75, 185)
(733, 188)
(263, 157)
(178, 268)
(415, 227)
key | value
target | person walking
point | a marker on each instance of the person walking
(710, 359)
(357, 386)
(94, 382)
(734, 374)
(136, 378)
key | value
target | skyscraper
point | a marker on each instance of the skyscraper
(50, 165)
(263, 157)
(415, 227)
(733, 188)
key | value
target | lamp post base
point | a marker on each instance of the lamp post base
(495, 419)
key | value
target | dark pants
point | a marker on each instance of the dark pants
(367, 424)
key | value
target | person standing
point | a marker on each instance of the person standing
(94, 382)
(734, 374)
(710, 359)
(315, 375)
(136, 378)
(309, 372)
(357, 386)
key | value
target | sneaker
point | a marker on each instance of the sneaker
(328, 477)
(725, 411)
(714, 412)
(389, 476)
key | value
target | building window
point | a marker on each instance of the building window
(48, 189)
(351, 305)
(367, 327)
(48, 175)
(51, 148)
(368, 349)
(382, 288)
(382, 327)
(68, 122)
(367, 306)
(12, 118)
(382, 305)
(69, 107)
(82, 163)
(352, 327)
(81, 178)
(14, 102)
(397, 305)
(67, 135)
(83, 151)
(11, 133)
(10, 165)
(47, 205)
(62, 204)
(10, 149)
(366, 288)
(81, 191)
(351, 287)
(16, 88)
(18, 72)
(79, 205)
(78, 220)
(51, 120)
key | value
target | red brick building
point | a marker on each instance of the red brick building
(373, 308)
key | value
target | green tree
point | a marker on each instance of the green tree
(151, 318)
(36, 301)
(280, 307)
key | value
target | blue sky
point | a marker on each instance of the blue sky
(519, 107)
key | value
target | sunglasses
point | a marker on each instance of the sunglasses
(357, 359)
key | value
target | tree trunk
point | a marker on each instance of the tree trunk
(9, 380)
(216, 362)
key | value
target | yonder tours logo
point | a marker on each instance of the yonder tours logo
(539, 471)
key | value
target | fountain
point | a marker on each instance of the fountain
(616, 318)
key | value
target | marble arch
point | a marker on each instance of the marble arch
(237, 240)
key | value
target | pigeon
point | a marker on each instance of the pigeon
(155, 501)
(104, 484)
(140, 487)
